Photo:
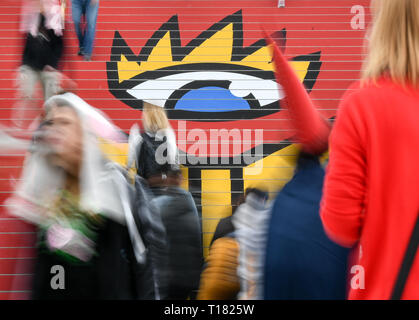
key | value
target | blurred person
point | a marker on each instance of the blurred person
(80, 203)
(301, 262)
(251, 224)
(42, 22)
(234, 261)
(370, 199)
(154, 151)
(181, 221)
(155, 238)
(89, 10)
(219, 279)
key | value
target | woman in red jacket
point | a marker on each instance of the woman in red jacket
(371, 192)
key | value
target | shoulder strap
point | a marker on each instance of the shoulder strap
(409, 258)
(148, 141)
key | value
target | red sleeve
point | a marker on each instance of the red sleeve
(344, 188)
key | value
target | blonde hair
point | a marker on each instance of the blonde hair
(154, 118)
(394, 41)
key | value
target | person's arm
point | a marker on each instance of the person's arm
(134, 146)
(345, 183)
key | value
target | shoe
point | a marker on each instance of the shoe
(80, 53)
(87, 58)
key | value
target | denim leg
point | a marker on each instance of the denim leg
(77, 12)
(91, 16)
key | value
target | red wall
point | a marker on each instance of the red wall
(311, 26)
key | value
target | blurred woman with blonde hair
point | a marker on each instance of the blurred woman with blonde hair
(370, 198)
(154, 151)
(82, 208)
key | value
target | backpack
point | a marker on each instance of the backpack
(147, 164)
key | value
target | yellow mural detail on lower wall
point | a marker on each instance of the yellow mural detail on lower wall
(215, 200)
(185, 176)
(117, 152)
(270, 174)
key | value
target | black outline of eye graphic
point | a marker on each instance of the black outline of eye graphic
(120, 47)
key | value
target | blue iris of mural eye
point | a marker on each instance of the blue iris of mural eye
(208, 91)
(211, 99)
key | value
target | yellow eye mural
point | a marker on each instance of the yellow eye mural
(213, 89)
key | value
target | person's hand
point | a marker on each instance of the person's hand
(94, 2)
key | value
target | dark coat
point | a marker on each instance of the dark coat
(183, 229)
(112, 274)
(301, 261)
(224, 227)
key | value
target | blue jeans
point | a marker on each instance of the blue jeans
(86, 37)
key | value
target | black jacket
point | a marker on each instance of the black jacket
(112, 274)
(181, 221)
(224, 227)
(44, 49)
